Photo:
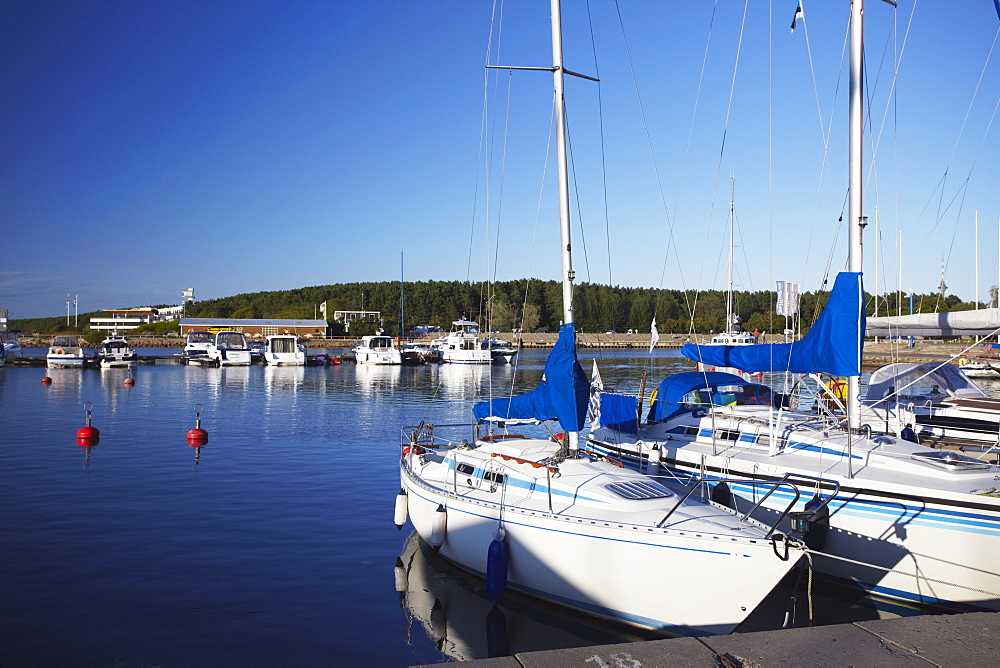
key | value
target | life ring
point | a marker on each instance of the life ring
(60, 351)
(962, 361)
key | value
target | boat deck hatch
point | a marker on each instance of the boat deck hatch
(951, 461)
(640, 489)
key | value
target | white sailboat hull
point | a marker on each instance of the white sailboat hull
(613, 565)
(887, 525)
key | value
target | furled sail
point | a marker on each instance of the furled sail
(832, 345)
(563, 393)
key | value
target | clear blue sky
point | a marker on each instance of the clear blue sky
(148, 147)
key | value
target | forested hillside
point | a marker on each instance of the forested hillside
(529, 305)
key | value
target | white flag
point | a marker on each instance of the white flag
(596, 387)
(654, 336)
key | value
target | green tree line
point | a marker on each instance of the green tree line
(524, 304)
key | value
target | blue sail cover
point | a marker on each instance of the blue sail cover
(832, 345)
(563, 393)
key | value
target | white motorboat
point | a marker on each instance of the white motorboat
(11, 344)
(196, 347)
(536, 515)
(463, 345)
(900, 520)
(65, 352)
(503, 352)
(420, 353)
(229, 348)
(115, 352)
(284, 350)
(377, 349)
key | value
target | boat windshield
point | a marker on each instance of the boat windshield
(65, 342)
(199, 337)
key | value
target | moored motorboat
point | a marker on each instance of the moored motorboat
(377, 349)
(463, 345)
(229, 348)
(284, 350)
(196, 347)
(115, 352)
(65, 352)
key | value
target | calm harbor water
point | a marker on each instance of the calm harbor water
(274, 543)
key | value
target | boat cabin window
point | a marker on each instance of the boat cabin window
(230, 341)
(494, 477)
(283, 345)
(466, 469)
(730, 395)
(65, 342)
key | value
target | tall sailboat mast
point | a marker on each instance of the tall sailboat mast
(563, 162)
(856, 216)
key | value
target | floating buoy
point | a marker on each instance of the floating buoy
(496, 565)
(400, 515)
(197, 437)
(129, 382)
(46, 380)
(818, 525)
(336, 361)
(88, 435)
(439, 526)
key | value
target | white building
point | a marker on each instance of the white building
(124, 319)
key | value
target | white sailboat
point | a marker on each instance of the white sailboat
(733, 334)
(899, 520)
(536, 515)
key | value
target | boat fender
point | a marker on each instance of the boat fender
(401, 508)
(496, 565)
(439, 526)
(722, 495)
(653, 463)
(818, 524)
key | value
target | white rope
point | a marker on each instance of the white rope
(911, 575)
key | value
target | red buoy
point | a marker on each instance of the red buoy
(197, 437)
(46, 380)
(88, 435)
(129, 381)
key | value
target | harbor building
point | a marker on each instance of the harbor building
(124, 319)
(255, 327)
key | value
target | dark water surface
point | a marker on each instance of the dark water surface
(271, 545)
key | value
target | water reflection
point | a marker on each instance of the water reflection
(464, 624)
(284, 379)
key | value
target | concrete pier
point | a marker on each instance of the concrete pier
(965, 640)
